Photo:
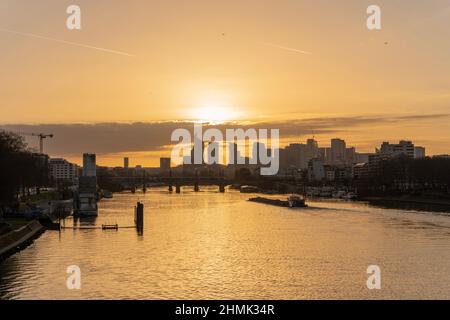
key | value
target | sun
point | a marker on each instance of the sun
(214, 114)
(214, 106)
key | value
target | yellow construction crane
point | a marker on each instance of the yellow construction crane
(41, 137)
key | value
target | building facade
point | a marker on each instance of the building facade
(419, 152)
(61, 169)
(396, 149)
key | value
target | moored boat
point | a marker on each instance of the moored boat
(249, 189)
(296, 201)
(350, 196)
(107, 194)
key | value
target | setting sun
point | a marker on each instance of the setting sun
(214, 114)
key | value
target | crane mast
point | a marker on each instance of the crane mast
(41, 137)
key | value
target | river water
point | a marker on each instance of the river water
(209, 245)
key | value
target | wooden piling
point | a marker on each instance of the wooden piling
(139, 217)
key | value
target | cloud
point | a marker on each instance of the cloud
(110, 138)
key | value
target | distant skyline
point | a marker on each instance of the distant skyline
(138, 69)
(145, 143)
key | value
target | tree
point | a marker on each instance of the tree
(12, 148)
(19, 168)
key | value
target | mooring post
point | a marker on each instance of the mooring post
(170, 181)
(139, 217)
(178, 187)
(196, 183)
(59, 219)
(222, 187)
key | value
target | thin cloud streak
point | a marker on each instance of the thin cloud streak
(32, 35)
(286, 48)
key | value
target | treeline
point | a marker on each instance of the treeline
(20, 169)
(417, 175)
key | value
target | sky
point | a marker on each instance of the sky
(138, 69)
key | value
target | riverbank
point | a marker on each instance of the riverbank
(19, 238)
(411, 200)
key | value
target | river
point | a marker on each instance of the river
(209, 245)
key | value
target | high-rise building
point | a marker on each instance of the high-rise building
(350, 156)
(338, 151)
(419, 152)
(316, 170)
(393, 150)
(312, 149)
(126, 163)
(89, 165)
(325, 154)
(295, 154)
(258, 149)
(87, 197)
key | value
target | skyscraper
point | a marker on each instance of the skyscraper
(89, 165)
(312, 148)
(338, 151)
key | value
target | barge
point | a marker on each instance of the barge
(291, 202)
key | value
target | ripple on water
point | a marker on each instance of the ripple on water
(210, 245)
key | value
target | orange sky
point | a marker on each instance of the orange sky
(230, 60)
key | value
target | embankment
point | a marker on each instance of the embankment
(410, 199)
(18, 239)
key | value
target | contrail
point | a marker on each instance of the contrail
(286, 48)
(67, 42)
